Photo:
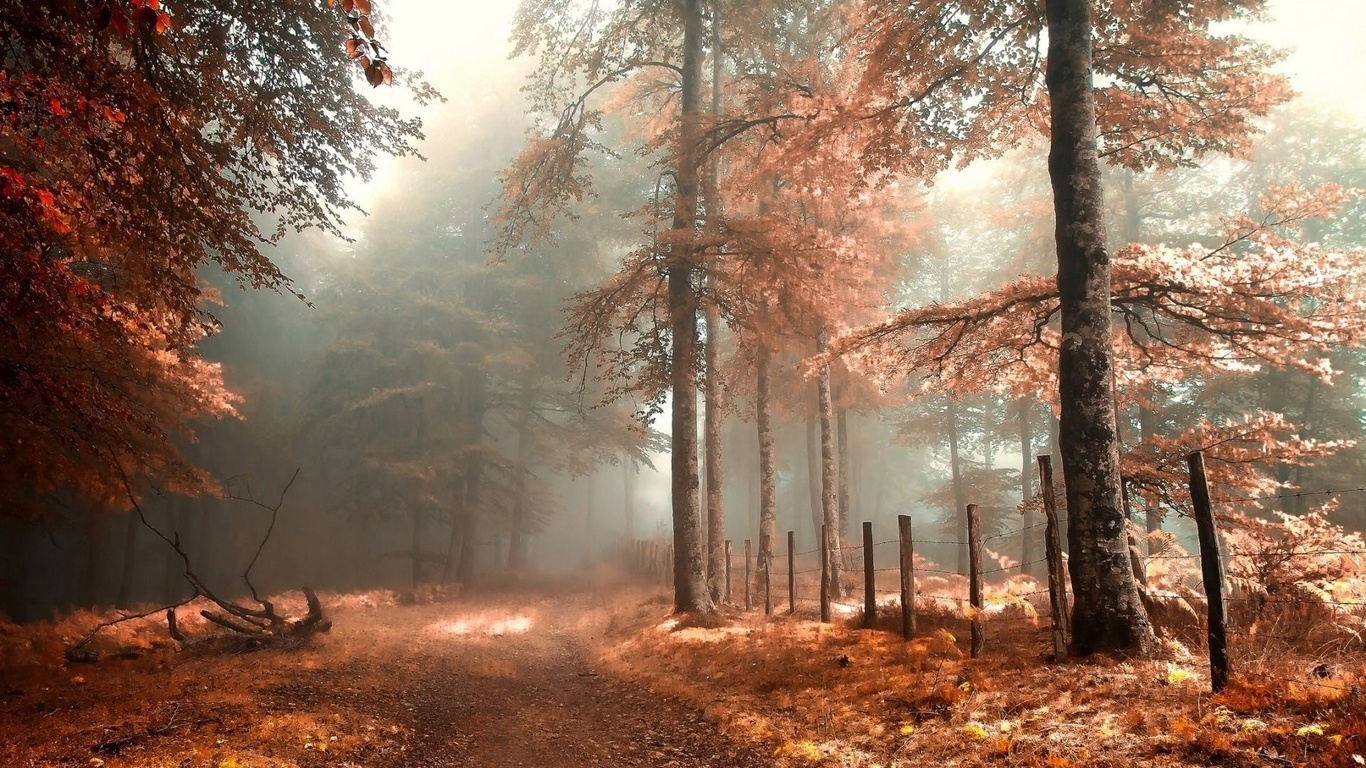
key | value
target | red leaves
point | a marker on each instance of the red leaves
(56, 107)
(145, 14)
(362, 43)
(11, 178)
(378, 73)
(119, 20)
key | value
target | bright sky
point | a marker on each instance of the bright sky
(458, 43)
(1326, 52)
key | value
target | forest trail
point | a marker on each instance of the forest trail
(493, 686)
(496, 680)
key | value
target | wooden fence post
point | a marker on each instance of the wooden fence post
(768, 586)
(726, 596)
(1057, 576)
(825, 575)
(791, 572)
(903, 528)
(748, 577)
(975, 578)
(1212, 571)
(869, 587)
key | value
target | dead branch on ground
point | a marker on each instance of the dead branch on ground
(260, 625)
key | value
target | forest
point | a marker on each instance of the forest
(682, 382)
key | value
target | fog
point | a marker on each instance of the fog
(417, 359)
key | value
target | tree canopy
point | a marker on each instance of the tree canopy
(138, 145)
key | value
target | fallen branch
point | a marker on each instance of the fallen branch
(77, 652)
(264, 624)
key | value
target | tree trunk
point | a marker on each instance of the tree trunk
(988, 441)
(829, 505)
(711, 427)
(628, 489)
(1308, 419)
(690, 584)
(517, 539)
(842, 471)
(457, 529)
(14, 583)
(1107, 612)
(960, 496)
(716, 513)
(768, 465)
(474, 477)
(130, 559)
(173, 583)
(96, 555)
(1027, 539)
(813, 469)
(1152, 513)
(589, 510)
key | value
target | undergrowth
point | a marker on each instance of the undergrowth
(839, 695)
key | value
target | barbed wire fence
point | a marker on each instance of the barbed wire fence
(1302, 638)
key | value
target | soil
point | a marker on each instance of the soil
(494, 681)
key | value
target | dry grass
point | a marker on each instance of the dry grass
(837, 695)
(167, 709)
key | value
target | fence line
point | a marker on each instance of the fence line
(1236, 649)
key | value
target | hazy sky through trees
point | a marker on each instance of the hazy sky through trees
(462, 47)
(460, 44)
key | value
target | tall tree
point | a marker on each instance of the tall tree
(690, 591)
(945, 83)
(1107, 611)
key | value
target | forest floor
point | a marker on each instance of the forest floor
(502, 679)
(513, 677)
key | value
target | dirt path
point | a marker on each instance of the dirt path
(513, 689)
(500, 687)
(498, 681)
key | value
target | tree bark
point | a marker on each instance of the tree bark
(960, 496)
(842, 471)
(1107, 612)
(1028, 537)
(130, 559)
(690, 584)
(716, 513)
(768, 465)
(1152, 514)
(829, 504)
(813, 469)
(517, 539)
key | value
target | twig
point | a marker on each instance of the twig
(73, 652)
(274, 514)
